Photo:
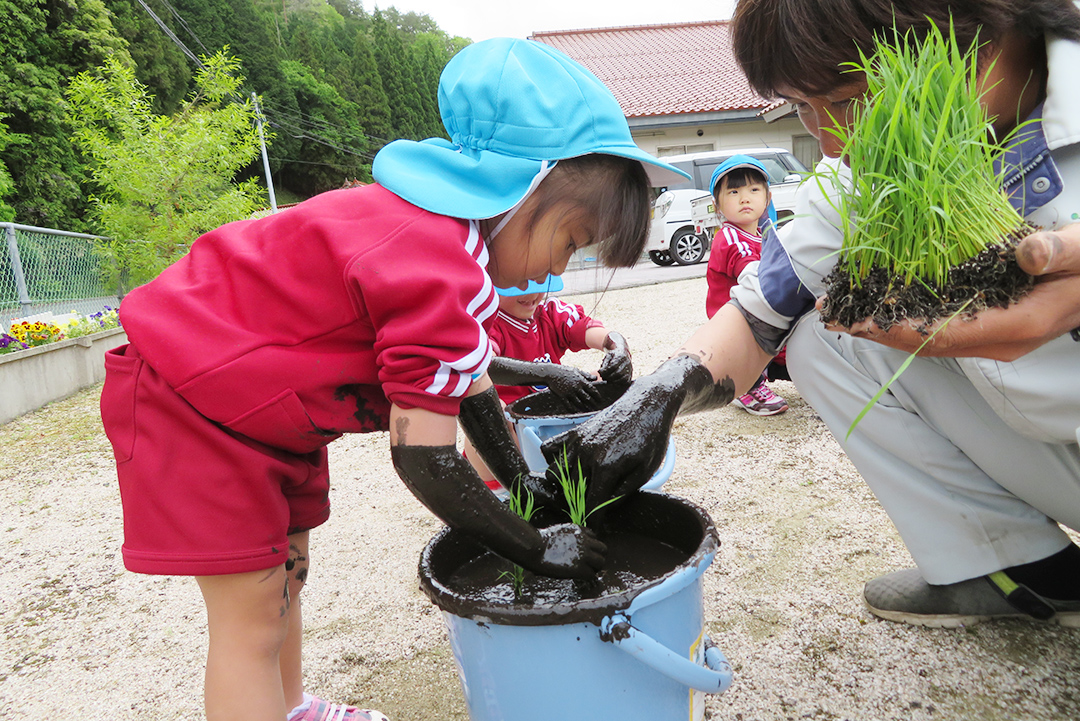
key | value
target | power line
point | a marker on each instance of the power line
(172, 35)
(298, 115)
(296, 130)
(182, 22)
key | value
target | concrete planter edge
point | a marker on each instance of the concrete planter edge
(32, 378)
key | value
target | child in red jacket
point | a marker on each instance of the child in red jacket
(531, 334)
(366, 309)
(740, 188)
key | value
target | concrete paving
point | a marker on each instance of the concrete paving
(586, 276)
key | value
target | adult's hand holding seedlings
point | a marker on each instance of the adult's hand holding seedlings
(621, 447)
(1049, 310)
(617, 366)
(575, 385)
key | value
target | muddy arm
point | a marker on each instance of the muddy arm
(444, 481)
(565, 381)
(484, 422)
(621, 447)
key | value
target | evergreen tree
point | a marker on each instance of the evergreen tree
(159, 64)
(372, 105)
(46, 42)
(430, 56)
(398, 73)
(7, 185)
(333, 148)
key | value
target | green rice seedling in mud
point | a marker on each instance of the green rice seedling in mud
(524, 507)
(928, 232)
(574, 485)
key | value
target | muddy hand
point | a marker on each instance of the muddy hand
(621, 447)
(483, 420)
(570, 551)
(617, 366)
(575, 385)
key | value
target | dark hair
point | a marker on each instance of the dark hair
(611, 191)
(803, 44)
(740, 177)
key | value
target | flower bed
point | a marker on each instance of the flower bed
(45, 360)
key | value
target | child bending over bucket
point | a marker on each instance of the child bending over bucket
(740, 189)
(360, 310)
(531, 334)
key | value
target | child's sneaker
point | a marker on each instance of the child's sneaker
(761, 401)
(320, 710)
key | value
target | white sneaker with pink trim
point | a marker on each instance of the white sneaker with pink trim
(761, 401)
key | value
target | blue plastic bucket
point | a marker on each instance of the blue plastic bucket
(637, 654)
(543, 415)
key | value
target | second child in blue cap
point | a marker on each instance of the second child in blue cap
(740, 188)
(531, 334)
(360, 310)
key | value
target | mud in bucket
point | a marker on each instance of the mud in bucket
(629, 647)
(542, 415)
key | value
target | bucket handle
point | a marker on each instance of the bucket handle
(714, 677)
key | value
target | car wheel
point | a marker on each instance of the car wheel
(660, 257)
(687, 247)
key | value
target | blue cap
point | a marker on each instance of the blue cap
(742, 161)
(508, 105)
(553, 284)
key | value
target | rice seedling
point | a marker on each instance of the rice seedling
(524, 507)
(574, 485)
(923, 205)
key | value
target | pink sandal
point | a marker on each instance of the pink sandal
(320, 710)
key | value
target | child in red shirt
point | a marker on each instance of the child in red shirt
(366, 309)
(531, 334)
(740, 188)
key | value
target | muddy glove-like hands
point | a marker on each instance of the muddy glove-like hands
(573, 384)
(444, 481)
(616, 367)
(483, 420)
(621, 447)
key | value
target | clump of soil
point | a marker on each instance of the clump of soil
(993, 278)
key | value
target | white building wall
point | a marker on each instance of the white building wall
(719, 136)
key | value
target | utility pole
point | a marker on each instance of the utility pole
(266, 161)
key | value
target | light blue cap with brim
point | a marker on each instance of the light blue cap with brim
(741, 161)
(508, 106)
(553, 284)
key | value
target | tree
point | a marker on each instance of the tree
(398, 73)
(46, 42)
(163, 181)
(159, 64)
(7, 185)
(373, 107)
(431, 57)
(333, 148)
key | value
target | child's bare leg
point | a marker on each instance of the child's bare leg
(296, 569)
(248, 615)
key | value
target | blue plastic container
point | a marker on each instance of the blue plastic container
(540, 416)
(639, 654)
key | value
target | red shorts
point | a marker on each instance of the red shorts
(200, 499)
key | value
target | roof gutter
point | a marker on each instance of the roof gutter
(682, 120)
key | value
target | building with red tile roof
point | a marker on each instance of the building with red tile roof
(681, 89)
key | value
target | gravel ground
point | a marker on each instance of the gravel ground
(799, 534)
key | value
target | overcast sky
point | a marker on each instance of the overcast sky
(482, 19)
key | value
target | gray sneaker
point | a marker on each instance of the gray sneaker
(904, 596)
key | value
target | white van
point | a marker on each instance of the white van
(672, 236)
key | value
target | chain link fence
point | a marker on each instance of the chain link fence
(44, 270)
